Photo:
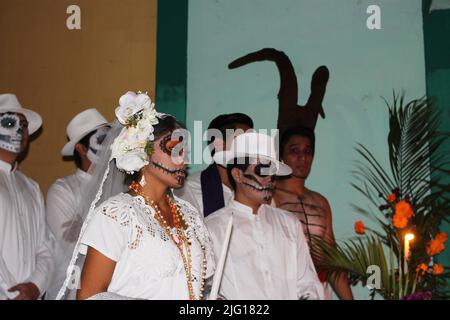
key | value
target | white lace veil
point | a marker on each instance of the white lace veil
(106, 181)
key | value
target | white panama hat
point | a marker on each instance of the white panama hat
(10, 103)
(253, 145)
(81, 125)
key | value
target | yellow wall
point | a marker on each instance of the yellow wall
(59, 72)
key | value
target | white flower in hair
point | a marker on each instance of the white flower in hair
(130, 104)
(135, 142)
(132, 161)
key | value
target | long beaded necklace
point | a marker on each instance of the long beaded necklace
(178, 219)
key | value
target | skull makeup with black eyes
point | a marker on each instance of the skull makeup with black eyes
(11, 131)
(171, 143)
(260, 178)
(95, 143)
(179, 174)
(167, 146)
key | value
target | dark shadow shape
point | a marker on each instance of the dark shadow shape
(290, 114)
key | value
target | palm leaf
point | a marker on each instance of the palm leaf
(353, 257)
(417, 163)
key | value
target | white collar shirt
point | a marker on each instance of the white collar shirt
(25, 244)
(63, 205)
(268, 256)
(192, 192)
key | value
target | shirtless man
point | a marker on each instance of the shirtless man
(297, 151)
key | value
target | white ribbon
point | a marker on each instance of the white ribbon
(219, 271)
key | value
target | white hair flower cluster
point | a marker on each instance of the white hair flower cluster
(135, 142)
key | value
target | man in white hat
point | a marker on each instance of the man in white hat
(210, 190)
(26, 261)
(268, 256)
(86, 132)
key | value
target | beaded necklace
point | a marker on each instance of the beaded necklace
(178, 219)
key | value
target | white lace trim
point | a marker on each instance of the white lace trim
(132, 211)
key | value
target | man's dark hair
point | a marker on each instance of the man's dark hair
(228, 121)
(297, 131)
(240, 163)
(85, 142)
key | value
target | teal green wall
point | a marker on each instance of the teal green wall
(364, 65)
(410, 53)
(171, 57)
(437, 54)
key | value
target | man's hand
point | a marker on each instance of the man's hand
(27, 291)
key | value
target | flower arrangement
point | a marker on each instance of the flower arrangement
(138, 115)
(410, 203)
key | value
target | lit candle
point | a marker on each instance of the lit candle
(219, 268)
(407, 251)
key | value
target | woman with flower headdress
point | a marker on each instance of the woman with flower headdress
(141, 243)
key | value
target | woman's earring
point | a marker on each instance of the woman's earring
(142, 182)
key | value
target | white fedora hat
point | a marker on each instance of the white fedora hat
(253, 145)
(81, 125)
(9, 103)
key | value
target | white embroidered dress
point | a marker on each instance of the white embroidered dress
(148, 263)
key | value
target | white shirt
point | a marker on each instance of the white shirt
(148, 263)
(25, 245)
(64, 218)
(268, 256)
(63, 206)
(192, 192)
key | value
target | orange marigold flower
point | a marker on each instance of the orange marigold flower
(434, 247)
(441, 237)
(404, 209)
(399, 221)
(359, 227)
(422, 268)
(438, 269)
(391, 198)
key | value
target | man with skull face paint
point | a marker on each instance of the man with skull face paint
(210, 189)
(86, 132)
(26, 261)
(268, 256)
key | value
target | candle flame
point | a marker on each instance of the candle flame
(409, 236)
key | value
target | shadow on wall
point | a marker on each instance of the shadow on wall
(290, 114)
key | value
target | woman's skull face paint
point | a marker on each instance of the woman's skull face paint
(163, 159)
(11, 131)
(259, 180)
(95, 143)
(172, 145)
